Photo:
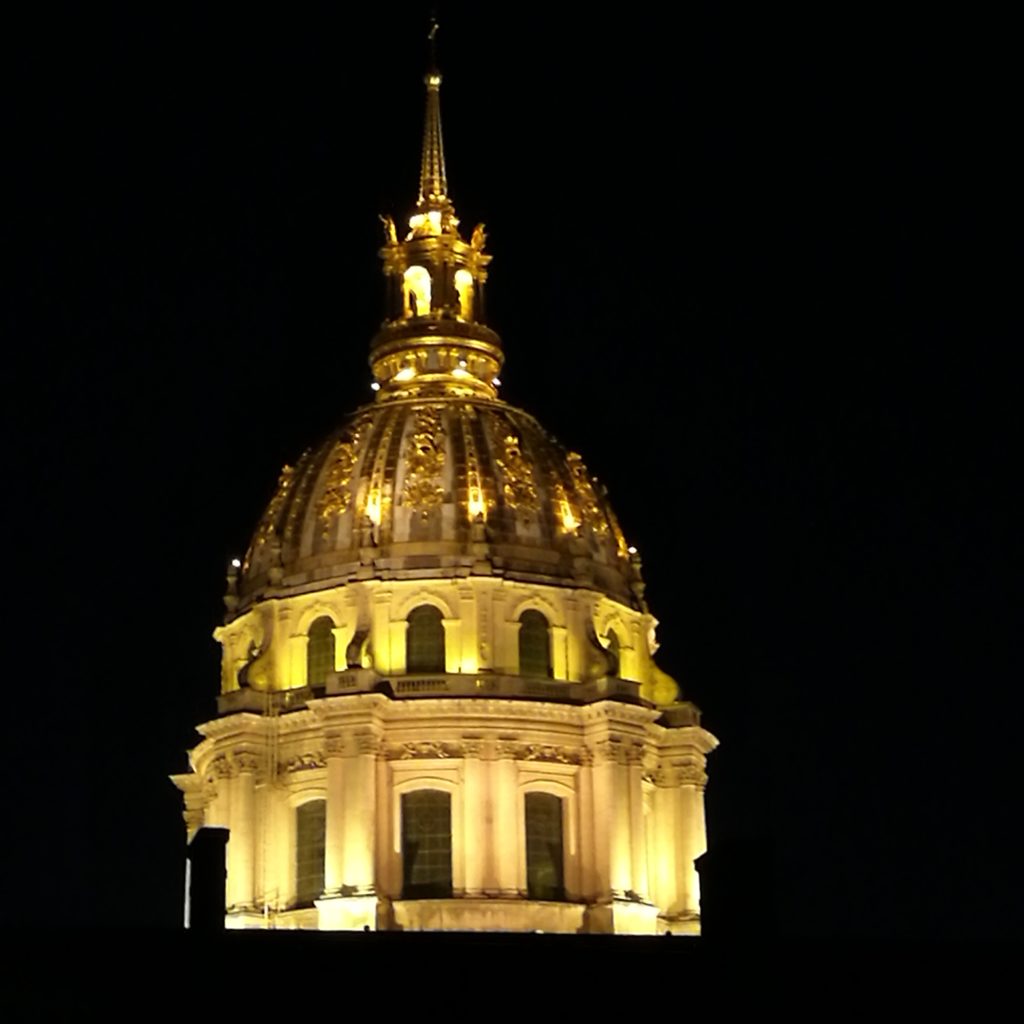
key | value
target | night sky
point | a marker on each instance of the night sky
(751, 269)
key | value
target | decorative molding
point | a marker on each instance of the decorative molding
(248, 762)
(513, 711)
(305, 762)
(366, 741)
(424, 749)
(691, 774)
(472, 746)
(619, 750)
(680, 773)
(545, 752)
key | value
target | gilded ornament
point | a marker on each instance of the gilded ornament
(377, 503)
(424, 463)
(336, 495)
(390, 234)
(593, 513)
(568, 515)
(519, 488)
(476, 500)
(268, 524)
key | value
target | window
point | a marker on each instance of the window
(534, 645)
(310, 835)
(464, 289)
(424, 641)
(320, 652)
(426, 845)
(545, 873)
(417, 291)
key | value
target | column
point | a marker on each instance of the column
(574, 654)
(506, 828)
(395, 663)
(360, 788)
(587, 841)
(476, 819)
(242, 841)
(512, 631)
(384, 637)
(621, 865)
(334, 845)
(452, 645)
(297, 647)
(692, 838)
(637, 826)
(603, 786)
(559, 653)
(665, 852)
(467, 647)
(342, 636)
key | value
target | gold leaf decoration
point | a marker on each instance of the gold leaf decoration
(424, 463)
(477, 502)
(565, 508)
(519, 488)
(593, 513)
(336, 495)
(269, 520)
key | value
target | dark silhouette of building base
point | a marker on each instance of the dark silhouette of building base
(206, 880)
(737, 890)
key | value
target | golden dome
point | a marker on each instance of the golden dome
(438, 478)
(438, 487)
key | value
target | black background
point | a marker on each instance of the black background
(752, 267)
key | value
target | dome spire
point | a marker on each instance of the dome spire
(433, 180)
(434, 339)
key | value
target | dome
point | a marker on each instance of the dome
(440, 707)
(435, 487)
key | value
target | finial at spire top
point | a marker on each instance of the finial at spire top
(432, 39)
(433, 208)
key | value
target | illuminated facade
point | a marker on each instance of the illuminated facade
(439, 703)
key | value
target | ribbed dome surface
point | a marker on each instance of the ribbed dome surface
(438, 488)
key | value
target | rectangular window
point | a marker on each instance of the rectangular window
(545, 871)
(426, 845)
(310, 840)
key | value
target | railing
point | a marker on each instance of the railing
(452, 684)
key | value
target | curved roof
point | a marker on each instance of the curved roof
(438, 487)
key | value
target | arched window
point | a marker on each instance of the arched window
(426, 844)
(464, 289)
(613, 653)
(545, 865)
(417, 291)
(424, 640)
(310, 835)
(320, 651)
(534, 645)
